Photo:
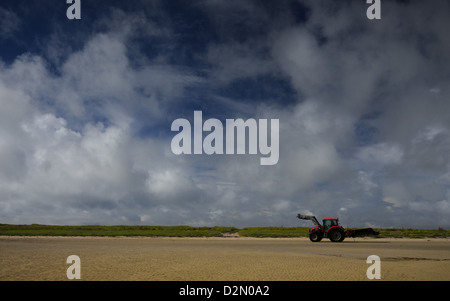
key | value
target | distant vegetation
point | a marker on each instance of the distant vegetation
(171, 231)
(303, 232)
(188, 231)
(414, 233)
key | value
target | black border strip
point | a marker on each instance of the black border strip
(265, 290)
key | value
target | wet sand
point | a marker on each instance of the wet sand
(222, 259)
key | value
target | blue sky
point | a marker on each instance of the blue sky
(87, 107)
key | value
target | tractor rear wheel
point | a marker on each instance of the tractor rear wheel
(336, 235)
(315, 237)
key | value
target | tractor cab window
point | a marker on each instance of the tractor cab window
(329, 223)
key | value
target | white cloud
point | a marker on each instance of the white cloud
(71, 152)
(381, 154)
(9, 23)
(170, 184)
(69, 167)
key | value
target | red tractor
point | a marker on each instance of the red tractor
(332, 230)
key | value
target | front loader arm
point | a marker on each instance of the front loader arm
(310, 217)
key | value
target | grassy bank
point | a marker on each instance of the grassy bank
(187, 231)
(174, 231)
(414, 233)
(303, 232)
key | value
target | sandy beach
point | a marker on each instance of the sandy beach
(222, 259)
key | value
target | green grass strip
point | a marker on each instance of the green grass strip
(188, 231)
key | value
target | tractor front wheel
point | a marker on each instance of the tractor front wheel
(336, 235)
(315, 237)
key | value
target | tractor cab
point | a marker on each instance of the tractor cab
(330, 222)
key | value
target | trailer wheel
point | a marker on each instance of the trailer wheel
(336, 235)
(315, 237)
